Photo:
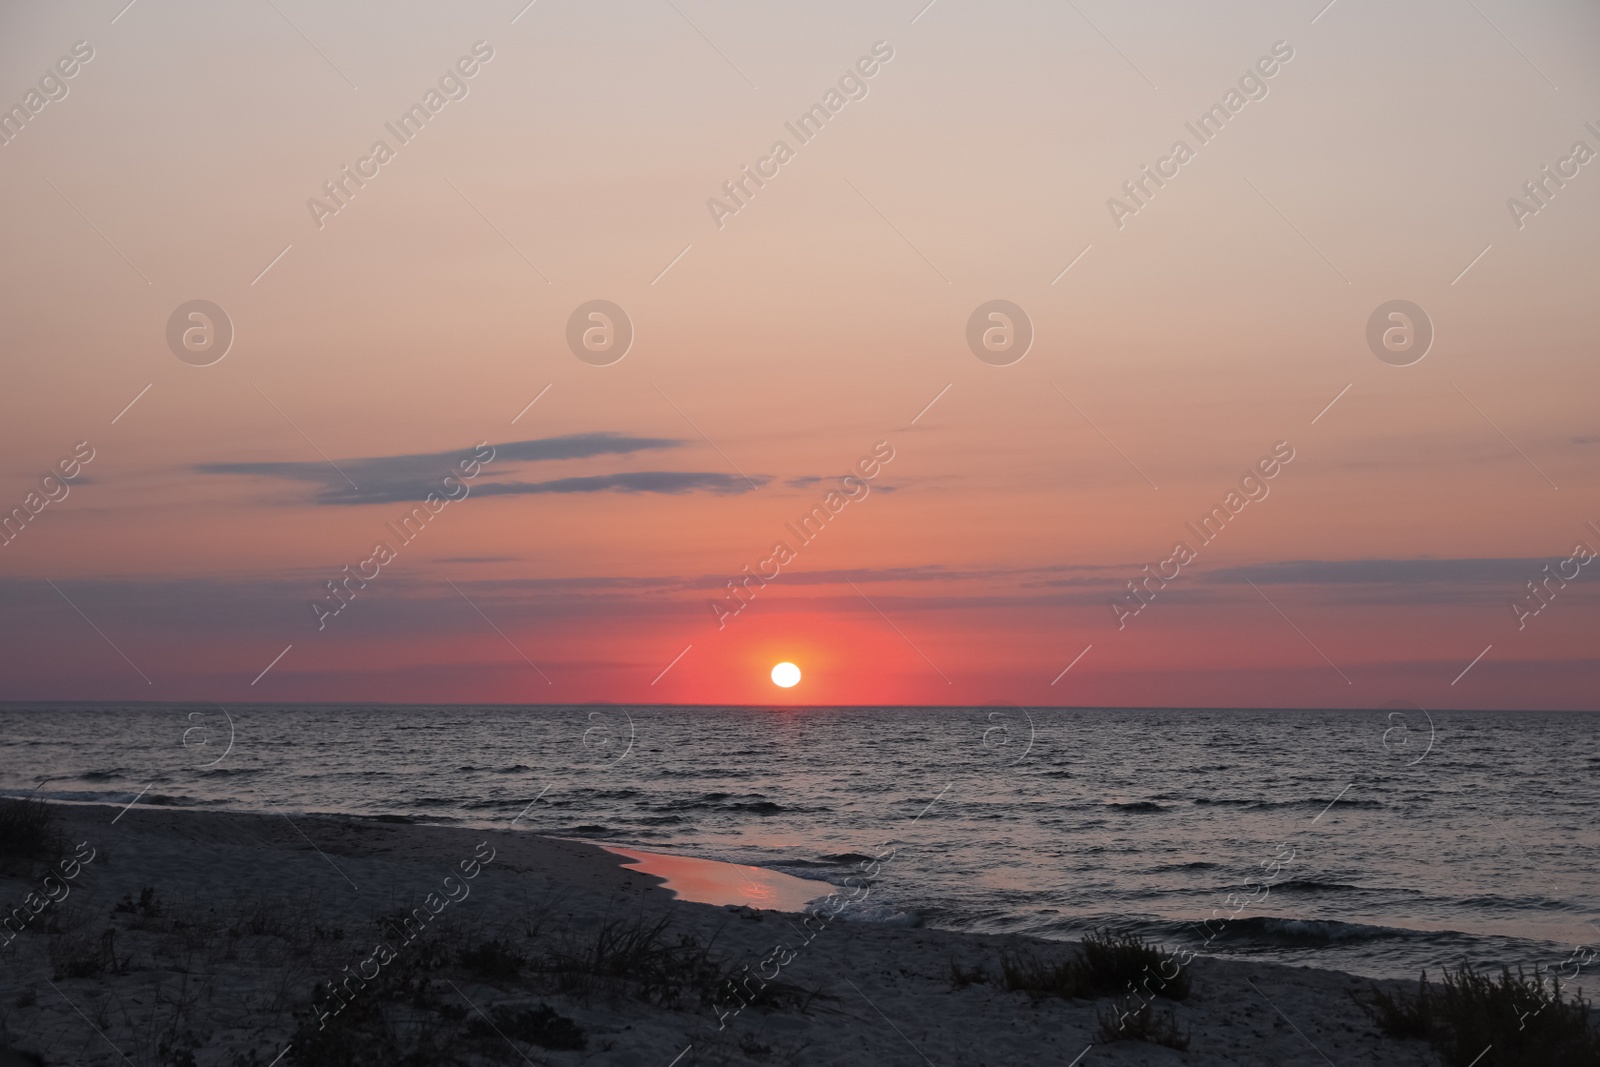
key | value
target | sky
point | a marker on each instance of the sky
(812, 343)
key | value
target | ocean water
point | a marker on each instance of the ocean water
(1379, 842)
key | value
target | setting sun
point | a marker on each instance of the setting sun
(786, 675)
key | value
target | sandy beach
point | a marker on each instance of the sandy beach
(186, 937)
(708, 533)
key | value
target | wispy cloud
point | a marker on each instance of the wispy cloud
(921, 573)
(631, 482)
(411, 477)
(1380, 571)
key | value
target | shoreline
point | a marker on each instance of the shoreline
(247, 915)
(1279, 934)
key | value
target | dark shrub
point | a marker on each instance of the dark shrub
(1123, 1022)
(1116, 963)
(29, 832)
(961, 978)
(1027, 973)
(1106, 965)
(1521, 1021)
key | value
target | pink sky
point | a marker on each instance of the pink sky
(775, 346)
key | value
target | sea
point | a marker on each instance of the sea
(1382, 842)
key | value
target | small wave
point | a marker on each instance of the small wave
(1269, 929)
(1134, 805)
(101, 776)
(747, 804)
(759, 807)
(716, 773)
(833, 860)
(1310, 803)
(494, 804)
(104, 796)
(1512, 904)
(885, 914)
(1311, 885)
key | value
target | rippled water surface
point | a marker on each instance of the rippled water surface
(1380, 842)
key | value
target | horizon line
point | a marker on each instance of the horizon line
(366, 704)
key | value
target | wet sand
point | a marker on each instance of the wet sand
(720, 883)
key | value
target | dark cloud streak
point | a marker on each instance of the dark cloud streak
(411, 477)
(1381, 571)
(671, 482)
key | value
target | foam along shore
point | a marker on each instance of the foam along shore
(722, 883)
(245, 939)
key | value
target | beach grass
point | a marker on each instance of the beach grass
(1123, 1022)
(415, 1011)
(29, 833)
(962, 977)
(1509, 1021)
(1106, 965)
(1123, 961)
